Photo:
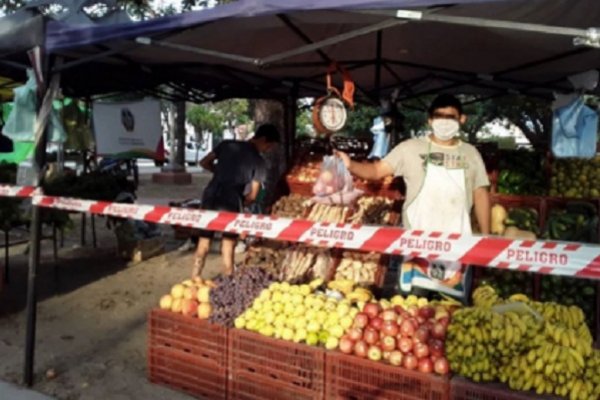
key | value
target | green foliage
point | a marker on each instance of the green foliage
(9, 6)
(203, 119)
(360, 120)
(304, 125)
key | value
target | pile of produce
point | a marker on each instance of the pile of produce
(303, 263)
(234, 293)
(516, 223)
(297, 313)
(268, 255)
(507, 282)
(190, 298)
(375, 211)
(544, 347)
(306, 173)
(328, 213)
(577, 221)
(575, 178)
(571, 292)
(400, 334)
(521, 172)
(292, 206)
(94, 185)
(358, 267)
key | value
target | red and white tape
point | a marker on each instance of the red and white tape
(556, 258)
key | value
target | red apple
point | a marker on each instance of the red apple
(427, 312)
(371, 335)
(346, 344)
(390, 328)
(436, 347)
(388, 343)
(376, 323)
(372, 309)
(422, 334)
(445, 321)
(361, 320)
(425, 365)
(438, 331)
(189, 307)
(413, 311)
(374, 353)
(441, 366)
(361, 348)
(400, 320)
(421, 320)
(407, 328)
(405, 345)
(399, 310)
(386, 355)
(355, 334)
(433, 358)
(389, 315)
(421, 350)
(409, 361)
(396, 358)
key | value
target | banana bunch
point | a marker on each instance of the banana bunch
(592, 372)
(569, 337)
(360, 295)
(471, 343)
(569, 316)
(485, 297)
(360, 268)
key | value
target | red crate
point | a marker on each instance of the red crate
(187, 354)
(301, 188)
(351, 377)
(261, 367)
(463, 389)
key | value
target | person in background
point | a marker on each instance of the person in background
(445, 178)
(238, 173)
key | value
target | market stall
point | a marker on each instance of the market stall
(497, 337)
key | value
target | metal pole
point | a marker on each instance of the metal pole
(412, 15)
(35, 235)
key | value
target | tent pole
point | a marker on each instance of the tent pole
(41, 136)
(378, 63)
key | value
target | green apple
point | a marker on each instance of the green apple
(287, 334)
(313, 327)
(239, 322)
(332, 343)
(312, 339)
(346, 322)
(337, 331)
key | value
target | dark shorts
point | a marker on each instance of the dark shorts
(221, 200)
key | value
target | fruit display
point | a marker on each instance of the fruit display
(306, 173)
(298, 313)
(234, 293)
(515, 223)
(592, 373)
(400, 334)
(358, 267)
(577, 221)
(521, 172)
(542, 347)
(190, 298)
(291, 206)
(374, 210)
(268, 255)
(571, 292)
(575, 178)
(304, 263)
(350, 290)
(333, 214)
(507, 282)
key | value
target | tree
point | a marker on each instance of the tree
(10, 6)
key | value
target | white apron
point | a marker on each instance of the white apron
(440, 205)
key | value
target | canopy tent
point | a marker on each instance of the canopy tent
(263, 48)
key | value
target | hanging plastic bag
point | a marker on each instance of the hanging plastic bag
(334, 177)
(381, 140)
(334, 184)
(574, 130)
(20, 124)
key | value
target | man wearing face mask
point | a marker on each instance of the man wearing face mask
(444, 177)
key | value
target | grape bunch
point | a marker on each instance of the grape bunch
(235, 293)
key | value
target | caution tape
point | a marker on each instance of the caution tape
(544, 257)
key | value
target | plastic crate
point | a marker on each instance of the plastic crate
(187, 354)
(264, 368)
(301, 188)
(351, 377)
(463, 389)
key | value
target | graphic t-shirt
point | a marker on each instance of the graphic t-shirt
(409, 157)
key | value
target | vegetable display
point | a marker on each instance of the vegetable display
(574, 178)
(521, 172)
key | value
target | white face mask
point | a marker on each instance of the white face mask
(445, 128)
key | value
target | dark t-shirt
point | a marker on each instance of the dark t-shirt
(237, 164)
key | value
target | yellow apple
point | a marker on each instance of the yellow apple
(166, 301)
(177, 291)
